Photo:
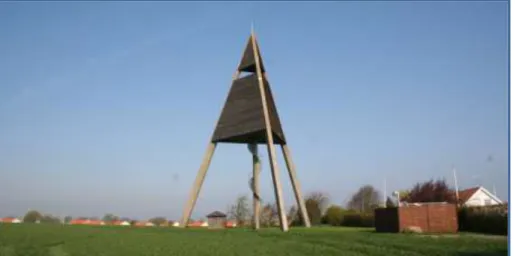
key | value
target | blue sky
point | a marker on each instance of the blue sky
(108, 106)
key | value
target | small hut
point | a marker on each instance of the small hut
(216, 219)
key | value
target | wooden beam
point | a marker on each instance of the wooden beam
(296, 185)
(199, 180)
(270, 142)
(197, 184)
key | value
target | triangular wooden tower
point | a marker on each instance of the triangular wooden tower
(250, 116)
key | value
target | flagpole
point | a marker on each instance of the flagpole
(384, 192)
(456, 184)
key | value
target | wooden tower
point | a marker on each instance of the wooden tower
(250, 117)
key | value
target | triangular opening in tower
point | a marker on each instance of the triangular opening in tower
(248, 62)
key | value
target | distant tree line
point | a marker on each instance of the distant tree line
(358, 211)
(365, 200)
(34, 216)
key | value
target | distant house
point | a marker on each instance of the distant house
(230, 224)
(478, 196)
(216, 219)
(87, 222)
(120, 223)
(173, 223)
(10, 220)
(78, 222)
(96, 223)
(139, 224)
(143, 224)
(198, 224)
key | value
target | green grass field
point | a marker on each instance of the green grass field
(62, 240)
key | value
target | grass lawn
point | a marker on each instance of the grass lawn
(65, 240)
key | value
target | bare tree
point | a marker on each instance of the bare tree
(158, 221)
(269, 215)
(67, 219)
(32, 216)
(316, 203)
(48, 218)
(366, 199)
(292, 215)
(109, 218)
(240, 211)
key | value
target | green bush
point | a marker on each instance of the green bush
(486, 219)
(333, 216)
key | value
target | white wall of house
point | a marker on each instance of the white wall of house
(483, 197)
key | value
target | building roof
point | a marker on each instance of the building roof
(8, 219)
(466, 194)
(198, 224)
(96, 222)
(216, 214)
(78, 221)
(119, 222)
(88, 222)
(230, 224)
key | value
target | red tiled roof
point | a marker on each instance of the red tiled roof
(86, 222)
(78, 222)
(96, 222)
(467, 193)
(230, 224)
(196, 224)
(7, 220)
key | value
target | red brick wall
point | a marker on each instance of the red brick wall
(431, 218)
(413, 216)
(443, 218)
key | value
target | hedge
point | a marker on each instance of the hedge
(358, 220)
(487, 219)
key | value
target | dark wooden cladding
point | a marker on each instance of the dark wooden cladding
(242, 113)
(248, 62)
(242, 119)
(275, 121)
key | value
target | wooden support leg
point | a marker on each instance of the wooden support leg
(296, 185)
(277, 186)
(195, 190)
(270, 140)
(257, 204)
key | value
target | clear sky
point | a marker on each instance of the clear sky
(108, 106)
